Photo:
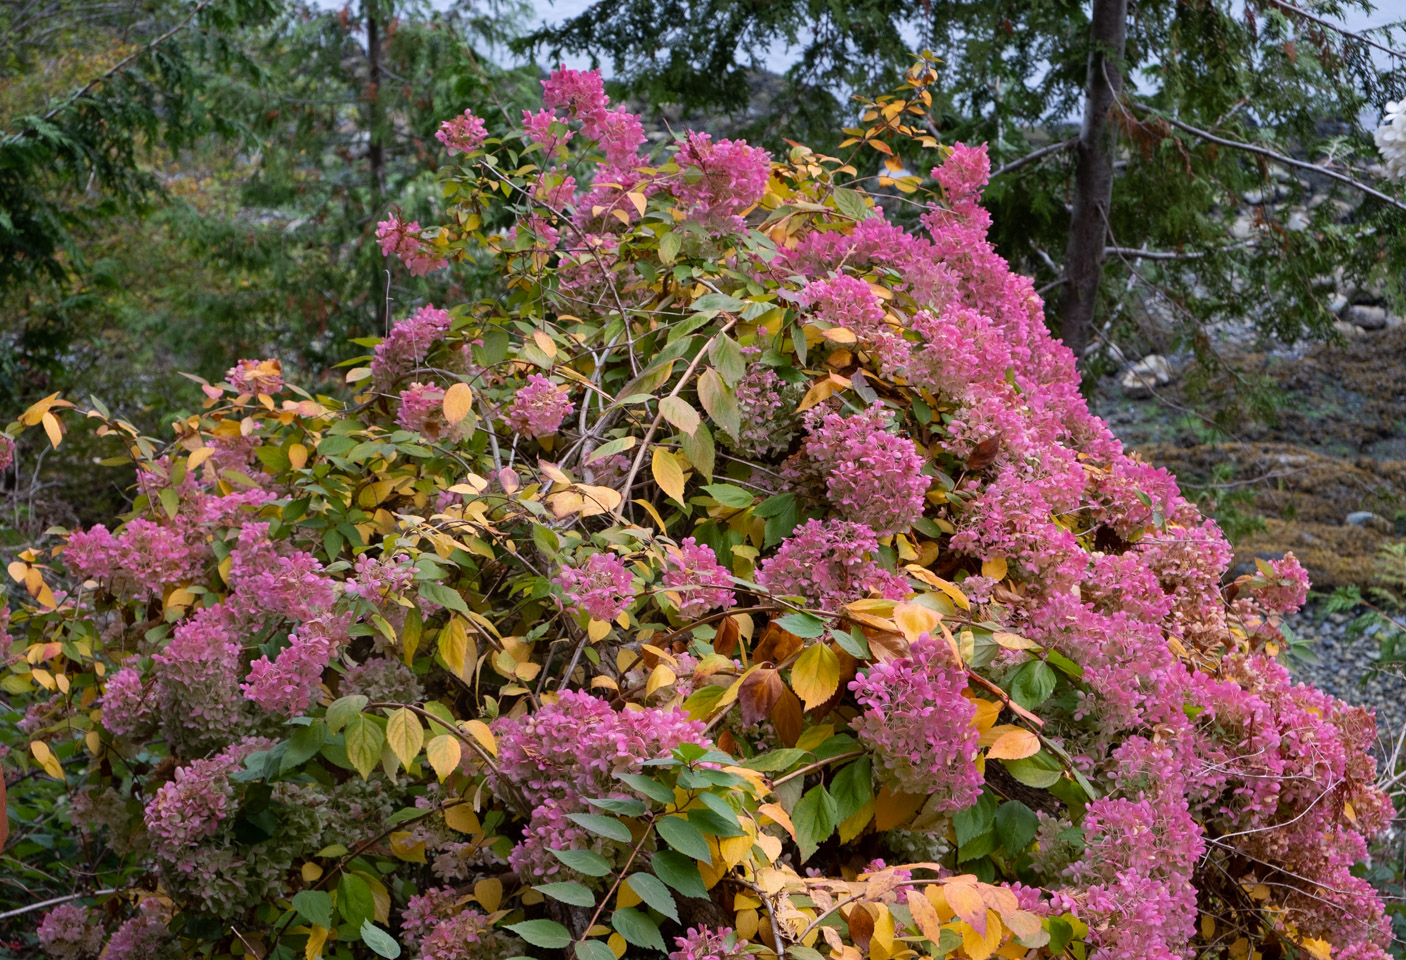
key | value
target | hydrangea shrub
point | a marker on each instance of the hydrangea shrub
(749, 579)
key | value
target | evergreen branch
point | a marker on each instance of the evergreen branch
(1336, 28)
(126, 61)
(1032, 157)
(1275, 156)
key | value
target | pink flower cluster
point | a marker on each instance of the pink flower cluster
(190, 808)
(256, 377)
(582, 96)
(70, 932)
(1287, 590)
(709, 943)
(462, 134)
(538, 408)
(289, 683)
(143, 559)
(567, 753)
(703, 584)
(404, 241)
(766, 405)
(918, 725)
(538, 127)
(407, 345)
(142, 937)
(7, 452)
(733, 178)
(846, 301)
(830, 563)
(126, 709)
(422, 411)
(872, 476)
(600, 587)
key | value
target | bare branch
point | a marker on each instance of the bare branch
(1032, 157)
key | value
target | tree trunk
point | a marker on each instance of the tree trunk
(1093, 175)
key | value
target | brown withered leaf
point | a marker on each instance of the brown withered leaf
(786, 717)
(727, 742)
(861, 926)
(776, 645)
(728, 636)
(759, 693)
(985, 454)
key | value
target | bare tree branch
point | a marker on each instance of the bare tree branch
(1036, 155)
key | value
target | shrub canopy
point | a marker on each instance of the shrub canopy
(749, 575)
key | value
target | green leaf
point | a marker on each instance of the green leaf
(1033, 684)
(669, 245)
(814, 819)
(1067, 666)
(625, 807)
(648, 786)
(355, 901)
(679, 872)
(852, 788)
(700, 450)
(975, 820)
(1015, 826)
(378, 940)
(303, 745)
(730, 496)
(568, 892)
(683, 837)
(1041, 770)
(804, 625)
(852, 642)
(588, 862)
(720, 402)
(593, 950)
(314, 906)
(652, 891)
(444, 596)
(718, 301)
(547, 934)
(680, 413)
(775, 761)
(343, 710)
(637, 929)
(607, 827)
(364, 739)
(851, 203)
(728, 359)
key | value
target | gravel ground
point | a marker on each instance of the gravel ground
(1349, 667)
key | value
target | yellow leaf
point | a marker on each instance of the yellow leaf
(458, 400)
(454, 645)
(444, 753)
(197, 457)
(405, 735)
(1015, 745)
(979, 946)
(407, 847)
(914, 619)
(311, 872)
(994, 568)
(816, 675)
(489, 892)
(925, 916)
(461, 817)
(1208, 926)
(480, 732)
(297, 456)
(545, 343)
(1012, 641)
(638, 200)
(52, 428)
(597, 500)
(316, 939)
(46, 759)
(839, 335)
(660, 676)
(667, 473)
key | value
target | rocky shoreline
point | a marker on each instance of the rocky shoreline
(1349, 667)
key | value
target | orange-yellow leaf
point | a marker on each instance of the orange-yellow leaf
(458, 400)
(1015, 745)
